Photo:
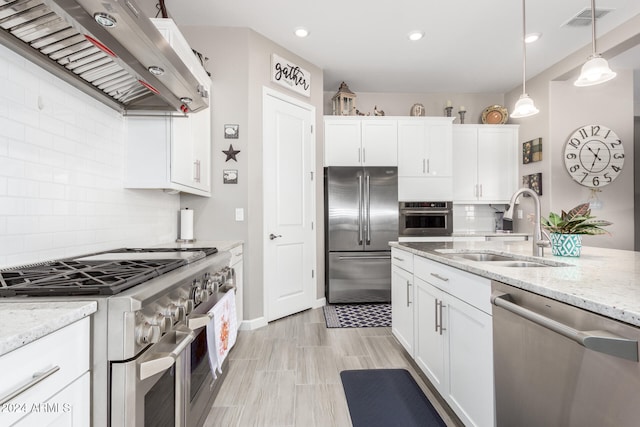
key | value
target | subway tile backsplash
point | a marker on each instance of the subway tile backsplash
(474, 218)
(61, 173)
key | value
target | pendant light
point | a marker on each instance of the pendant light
(524, 107)
(596, 70)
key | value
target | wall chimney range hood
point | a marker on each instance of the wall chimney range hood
(106, 48)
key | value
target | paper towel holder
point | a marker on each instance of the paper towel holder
(186, 220)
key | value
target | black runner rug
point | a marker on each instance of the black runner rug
(387, 398)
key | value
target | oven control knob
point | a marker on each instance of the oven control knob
(177, 313)
(163, 322)
(201, 295)
(147, 333)
(208, 285)
(186, 304)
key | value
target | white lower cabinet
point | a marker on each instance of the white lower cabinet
(402, 298)
(453, 338)
(238, 267)
(49, 379)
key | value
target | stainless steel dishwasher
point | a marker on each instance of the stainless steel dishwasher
(556, 365)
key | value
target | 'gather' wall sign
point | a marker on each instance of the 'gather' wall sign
(287, 74)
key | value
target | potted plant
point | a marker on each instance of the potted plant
(567, 229)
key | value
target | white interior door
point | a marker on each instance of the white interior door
(289, 212)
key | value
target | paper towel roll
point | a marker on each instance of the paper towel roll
(186, 224)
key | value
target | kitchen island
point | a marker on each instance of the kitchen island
(470, 315)
(603, 281)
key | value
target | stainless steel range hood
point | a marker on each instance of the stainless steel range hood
(110, 64)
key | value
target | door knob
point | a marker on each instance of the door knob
(274, 236)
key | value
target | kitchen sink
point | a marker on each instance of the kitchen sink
(500, 259)
(484, 257)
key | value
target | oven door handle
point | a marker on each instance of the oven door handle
(160, 362)
(423, 212)
(197, 321)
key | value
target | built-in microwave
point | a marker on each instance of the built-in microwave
(425, 218)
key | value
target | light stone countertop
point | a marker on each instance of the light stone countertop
(603, 281)
(221, 245)
(25, 322)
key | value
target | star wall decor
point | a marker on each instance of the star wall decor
(231, 153)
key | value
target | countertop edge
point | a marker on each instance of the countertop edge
(25, 322)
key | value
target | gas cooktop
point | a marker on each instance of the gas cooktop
(102, 273)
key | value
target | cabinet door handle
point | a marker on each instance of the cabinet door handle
(480, 190)
(428, 167)
(408, 284)
(441, 307)
(35, 379)
(424, 167)
(437, 276)
(398, 258)
(196, 171)
(359, 158)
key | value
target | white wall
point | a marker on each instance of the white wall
(61, 173)
(240, 64)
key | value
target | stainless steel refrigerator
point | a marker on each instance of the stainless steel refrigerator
(361, 218)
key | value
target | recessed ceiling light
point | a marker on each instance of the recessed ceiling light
(301, 32)
(532, 37)
(415, 35)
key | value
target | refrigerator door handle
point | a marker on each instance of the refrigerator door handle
(360, 209)
(368, 195)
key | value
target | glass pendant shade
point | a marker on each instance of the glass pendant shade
(595, 71)
(524, 107)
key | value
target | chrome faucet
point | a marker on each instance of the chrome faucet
(538, 242)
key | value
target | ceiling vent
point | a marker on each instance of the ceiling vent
(583, 18)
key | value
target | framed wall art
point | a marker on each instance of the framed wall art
(534, 182)
(532, 151)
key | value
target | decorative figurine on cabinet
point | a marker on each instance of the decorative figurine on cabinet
(344, 101)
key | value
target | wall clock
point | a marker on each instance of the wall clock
(594, 156)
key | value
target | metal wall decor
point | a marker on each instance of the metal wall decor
(231, 131)
(230, 176)
(231, 153)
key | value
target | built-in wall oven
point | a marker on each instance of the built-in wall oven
(418, 219)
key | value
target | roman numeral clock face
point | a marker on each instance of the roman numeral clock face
(594, 156)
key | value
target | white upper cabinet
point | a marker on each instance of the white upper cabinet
(485, 163)
(360, 141)
(425, 147)
(171, 152)
(425, 159)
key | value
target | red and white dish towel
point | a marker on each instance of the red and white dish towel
(221, 331)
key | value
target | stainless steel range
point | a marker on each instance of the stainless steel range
(150, 362)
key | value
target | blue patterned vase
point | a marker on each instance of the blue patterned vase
(566, 244)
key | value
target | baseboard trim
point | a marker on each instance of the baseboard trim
(249, 325)
(319, 303)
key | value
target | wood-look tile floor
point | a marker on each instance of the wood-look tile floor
(288, 373)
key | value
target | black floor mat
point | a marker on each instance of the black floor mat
(387, 398)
